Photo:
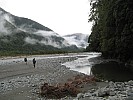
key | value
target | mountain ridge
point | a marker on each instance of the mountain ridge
(78, 39)
(23, 35)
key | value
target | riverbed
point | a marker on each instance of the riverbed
(21, 81)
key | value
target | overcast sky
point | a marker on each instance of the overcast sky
(62, 16)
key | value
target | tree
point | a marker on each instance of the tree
(112, 30)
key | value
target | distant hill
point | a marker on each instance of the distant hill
(24, 36)
(78, 39)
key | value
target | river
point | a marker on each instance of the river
(82, 64)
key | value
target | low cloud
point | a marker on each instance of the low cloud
(46, 33)
(48, 42)
(27, 28)
(30, 40)
(4, 29)
(79, 40)
(8, 28)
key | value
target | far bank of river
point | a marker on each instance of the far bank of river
(106, 69)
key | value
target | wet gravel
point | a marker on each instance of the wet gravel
(52, 71)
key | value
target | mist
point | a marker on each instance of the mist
(46, 33)
(30, 40)
(48, 42)
(3, 29)
(8, 27)
(5, 21)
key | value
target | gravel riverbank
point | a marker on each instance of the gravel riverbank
(19, 81)
(17, 78)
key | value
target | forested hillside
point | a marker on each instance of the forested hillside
(112, 31)
(20, 35)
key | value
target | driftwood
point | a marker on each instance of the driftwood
(70, 88)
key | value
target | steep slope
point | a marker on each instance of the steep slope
(78, 39)
(22, 35)
(112, 31)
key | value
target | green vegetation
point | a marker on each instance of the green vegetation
(14, 44)
(22, 38)
(19, 21)
(112, 31)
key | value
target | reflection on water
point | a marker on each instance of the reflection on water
(82, 64)
(83, 69)
(112, 71)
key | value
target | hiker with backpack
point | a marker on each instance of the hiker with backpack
(34, 62)
(25, 60)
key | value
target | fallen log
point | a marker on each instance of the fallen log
(70, 88)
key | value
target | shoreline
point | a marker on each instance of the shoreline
(17, 75)
(26, 86)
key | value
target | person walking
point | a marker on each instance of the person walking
(34, 62)
(25, 60)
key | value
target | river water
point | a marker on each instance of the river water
(82, 64)
(113, 71)
(109, 70)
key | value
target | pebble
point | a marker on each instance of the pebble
(36, 80)
(80, 95)
(114, 91)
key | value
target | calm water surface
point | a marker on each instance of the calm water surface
(111, 70)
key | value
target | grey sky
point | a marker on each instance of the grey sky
(62, 16)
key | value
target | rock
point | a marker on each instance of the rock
(121, 89)
(33, 85)
(106, 81)
(100, 93)
(129, 98)
(124, 93)
(87, 95)
(130, 94)
(94, 94)
(2, 82)
(112, 97)
(112, 93)
(130, 82)
(111, 83)
(80, 95)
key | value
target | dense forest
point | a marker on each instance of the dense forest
(112, 31)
